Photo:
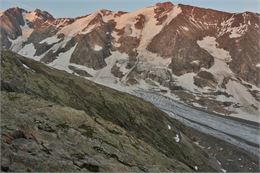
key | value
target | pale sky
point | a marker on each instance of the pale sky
(73, 8)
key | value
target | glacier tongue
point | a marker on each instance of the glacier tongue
(232, 131)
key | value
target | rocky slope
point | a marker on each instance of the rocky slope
(55, 121)
(203, 57)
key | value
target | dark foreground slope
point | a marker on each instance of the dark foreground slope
(54, 121)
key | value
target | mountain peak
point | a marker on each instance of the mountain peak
(13, 10)
(162, 7)
(167, 4)
(43, 14)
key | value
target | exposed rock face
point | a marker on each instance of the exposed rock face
(140, 20)
(152, 75)
(204, 79)
(194, 23)
(189, 57)
(161, 10)
(245, 50)
(115, 70)
(93, 48)
(128, 45)
(84, 140)
(5, 43)
(11, 20)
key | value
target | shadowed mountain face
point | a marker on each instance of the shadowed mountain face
(55, 121)
(203, 57)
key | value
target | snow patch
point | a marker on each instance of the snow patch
(63, 60)
(97, 48)
(197, 143)
(197, 105)
(220, 69)
(169, 127)
(32, 16)
(153, 59)
(177, 138)
(235, 32)
(50, 40)
(25, 66)
(17, 44)
(219, 162)
(210, 44)
(28, 50)
(187, 81)
(241, 95)
(185, 28)
(224, 98)
(223, 170)
(196, 62)
(78, 26)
